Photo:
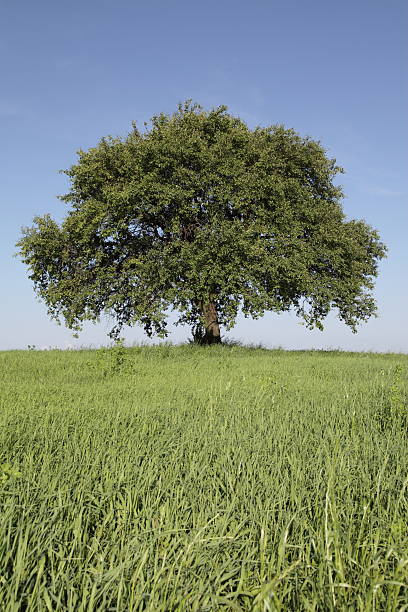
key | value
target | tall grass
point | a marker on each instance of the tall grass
(187, 478)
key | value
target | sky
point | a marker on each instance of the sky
(73, 72)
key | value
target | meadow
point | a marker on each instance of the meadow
(203, 478)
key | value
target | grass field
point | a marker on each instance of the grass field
(187, 478)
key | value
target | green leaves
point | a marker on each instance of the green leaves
(7, 471)
(200, 207)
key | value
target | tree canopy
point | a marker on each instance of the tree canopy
(203, 215)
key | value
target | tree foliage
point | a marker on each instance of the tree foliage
(201, 214)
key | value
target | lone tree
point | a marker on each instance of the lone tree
(204, 215)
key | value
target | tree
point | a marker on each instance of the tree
(204, 215)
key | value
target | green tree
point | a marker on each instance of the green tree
(201, 214)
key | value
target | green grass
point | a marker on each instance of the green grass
(187, 478)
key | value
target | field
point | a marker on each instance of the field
(203, 478)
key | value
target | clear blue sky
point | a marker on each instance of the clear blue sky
(72, 72)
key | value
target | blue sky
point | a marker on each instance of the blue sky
(73, 72)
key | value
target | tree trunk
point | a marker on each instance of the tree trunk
(212, 329)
